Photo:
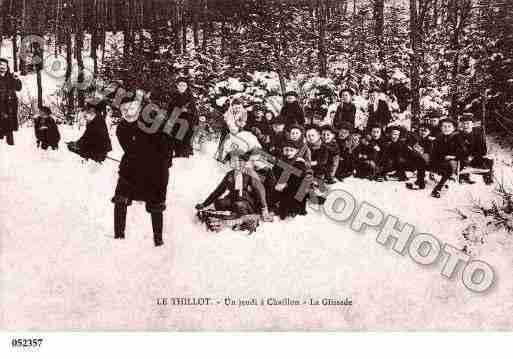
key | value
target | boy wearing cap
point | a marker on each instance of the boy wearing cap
(287, 189)
(328, 139)
(296, 134)
(476, 150)
(346, 110)
(291, 112)
(319, 151)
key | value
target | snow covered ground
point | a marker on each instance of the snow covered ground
(60, 267)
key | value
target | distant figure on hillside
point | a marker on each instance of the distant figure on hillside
(46, 130)
(9, 84)
(95, 142)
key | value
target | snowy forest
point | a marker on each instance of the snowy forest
(453, 55)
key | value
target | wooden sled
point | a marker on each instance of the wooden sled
(216, 221)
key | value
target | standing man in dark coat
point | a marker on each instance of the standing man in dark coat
(9, 84)
(378, 110)
(182, 106)
(346, 111)
(143, 173)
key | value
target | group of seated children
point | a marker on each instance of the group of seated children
(324, 155)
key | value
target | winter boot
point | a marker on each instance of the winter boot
(119, 220)
(157, 222)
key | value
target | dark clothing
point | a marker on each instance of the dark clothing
(474, 142)
(292, 113)
(46, 132)
(365, 161)
(269, 180)
(346, 112)
(320, 158)
(402, 93)
(144, 167)
(289, 201)
(183, 130)
(395, 157)
(476, 150)
(95, 142)
(381, 145)
(9, 105)
(276, 141)
(381, 116)
(346, 164)
(333, 159)
(450, 145)
(261, 129)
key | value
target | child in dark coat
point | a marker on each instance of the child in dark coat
(143, 174)
(277, 137)
(46, 130)
(258, 126)
(328, 139)
(448, 149)
(347, 142)
(290, 202)
(475, 145)
(318, 150)
(395, 154)
(365, 159)
(95, 142)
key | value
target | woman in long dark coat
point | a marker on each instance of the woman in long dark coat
(183, 101)
(143, 172)
(9, 84)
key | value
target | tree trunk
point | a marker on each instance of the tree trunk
(195, 27)
(379, 22)
(322, 57)
(414, 69)
(23, 67)
(69, 86)
(14, 52)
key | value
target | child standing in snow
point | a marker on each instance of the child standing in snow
(46, 130)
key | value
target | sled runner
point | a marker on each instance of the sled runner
(216, 221)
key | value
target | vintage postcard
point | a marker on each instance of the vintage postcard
(264, 165)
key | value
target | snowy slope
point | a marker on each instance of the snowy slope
(60, 267)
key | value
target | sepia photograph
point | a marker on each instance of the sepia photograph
(255, 166)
